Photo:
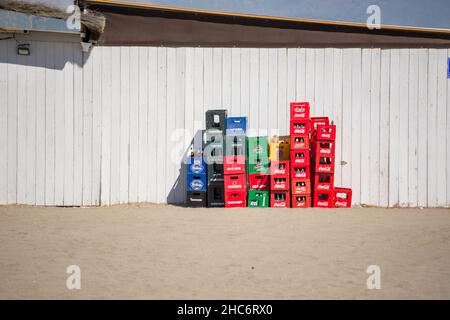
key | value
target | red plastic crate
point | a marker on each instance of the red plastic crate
(235, 199)
(279, 167)
(301, 201)
(299, 142)
(315, 121)
(280, 199)
(299, 110)
(323, 199)
(325, 132)
(259, 181)
(324, 149)
(324, 164)
(235, 182)
(323, 182)
(300, 157)
(280, 182)
(342, 198)
(233, 164)
(300, 172)
(300, 127)
(301, 186)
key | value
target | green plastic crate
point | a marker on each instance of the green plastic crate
(259, 166)
(258, 199)
(257, 147)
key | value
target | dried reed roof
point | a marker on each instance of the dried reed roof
(90, 19)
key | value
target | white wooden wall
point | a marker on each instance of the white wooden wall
(79, 129)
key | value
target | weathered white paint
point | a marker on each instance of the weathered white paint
(112, 126)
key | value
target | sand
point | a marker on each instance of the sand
(167, 252)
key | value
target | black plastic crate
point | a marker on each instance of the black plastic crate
(216, 119)
(214, 172)
(196, 199)
(216, 195)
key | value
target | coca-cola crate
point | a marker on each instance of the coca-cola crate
(300, 171)
(324, 149)
(299, 142)
(233, 164)
(300, 127)
(280, 199)
(279, 167)
(280, 182)
(324, 164)
(300, 157)
(325, 133)
(323, 199)
(301, 186)
(301, 201)
(342, 198)
(235, 182)
(259, 181)
(323, 182)
(299, 110)
(315, 121)
(236, 199)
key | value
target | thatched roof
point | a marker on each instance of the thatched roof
(90, 19)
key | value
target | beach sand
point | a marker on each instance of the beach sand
(168, 252)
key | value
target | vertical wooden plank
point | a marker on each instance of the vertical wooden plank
(422, 157)
(106, 126)
(133, 178)
(153, 135)
(115, 124)
(209, 78)
(291, 80)
(50, 78)
(310, 78)
(442, 165)
(226, 78)
(171, 161)
(374, 167)
(319, 82)
(189, 96)
(30, 196)
(253, 114)
(60, 89)
(337, 106)
(365, 125)
(12, 69)
(217, 78)
(22, 75)
(264, 89)
(87, 128)
(161, 126)
(281, 93)
(235, 81)
(245, 83)
(301, 75)
(356, 124)
(78, 125)
(67, 107)
(403, 129)
(180, 195)
(96, 124)
(272, 93)
(124, 122)
(432, 171)
(200, 88)
(4, 122)
(384, 127)
(143, 177)
(40, 122)
(413, 126)
(344, 131)
(394, 119)
(448, 139)
(328, 80)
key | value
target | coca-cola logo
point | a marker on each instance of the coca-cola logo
(196, 184)
(322, 203)
(324, 169)
(325, 151)
(299, 131)
(340, 204)
(323, 187)
(279, 204)
(300, 175)
(326, 135)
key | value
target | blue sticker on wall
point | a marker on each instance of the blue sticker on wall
(448, 68)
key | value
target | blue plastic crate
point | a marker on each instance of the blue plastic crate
(196, 182)
(236, 125)
(195, 165)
